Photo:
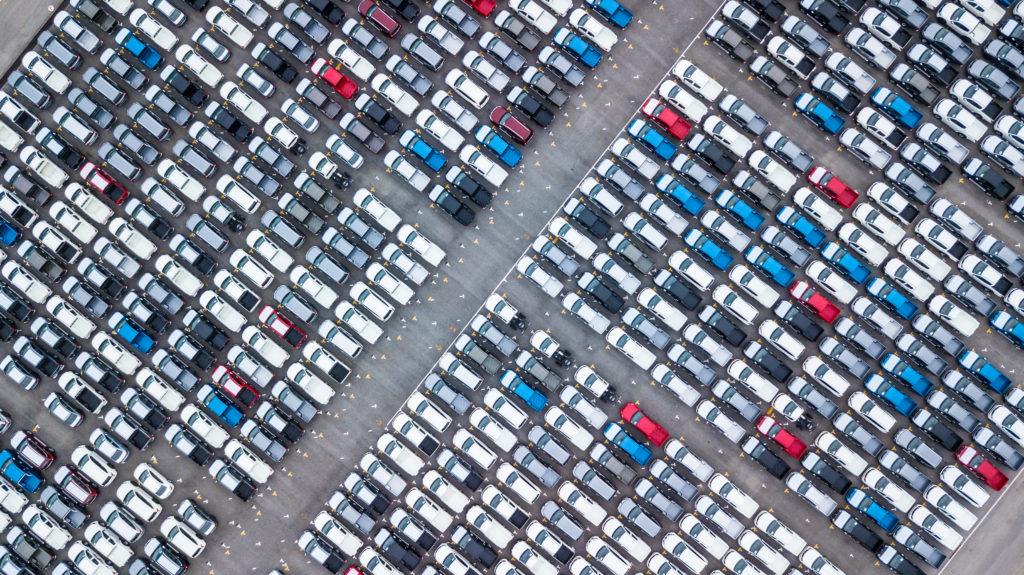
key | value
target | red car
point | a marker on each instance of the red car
(341, 83)
(381, 19)
(981, 467)
(654, 109)
(837, 189)
(511, 125)
(482, 7)
(825, 309)
(32, 449)
(106, 185)
(75, 485)
(282, 326)
(790, 443)
(655, 433)
(235, 386)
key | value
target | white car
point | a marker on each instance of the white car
(586, 313)
(815, 207)
(45, 527)
(752, 380)
(961, 120)
(860, 242)
(312, 285)
(250, 268)
(182, 537)
(448, 136)
(66, 217)
(938, 236)
(1009, 423)
(557, 419)
(355, 320)
(389, 284)
(740, 501)
(656, 207)
(924, 259)
(25, 282)
(198, 65)
(692, 271)
(697, 80)
(541, 278)
(93, 466)
(180, 179)
(108, 543)
(476, 450)
(648, 233)
(619, 533)
(878, 224)
(817, 562)
(313, 386)
(284, 135)
(953, 315)
(937, 497)
(524, 488)
(831, 282)
(964, 486)
(937, 528)
(908, 279)
(470, 91)
(773, 171)
(780, 532)
(669, 314)
(185, 280)
(705, 537)
(755, 546)
(261, 344)
(592, 29)
(44, 167)
(843, 455)
(681, 550)
(268, 250)
(222, 311)
(417, 242)
(894, 494)
(637, 353)
(428, 411)
(449, 495)
(115, 353)
(535, 15)
(230, 27)
(153, 29)
(481, 164)
(754, 286)
(158, 389)
(138, 502)
(964, 23)
(70, 317)
(402, 456)
(490, 527)
(789, 55)
(692, 108)
(88, 561)
(405, 169)
(485, 70)
(496, 432)
(740, 308)
(871, 411)
(375, 563)
(571, 397)
(245, 103)
(46, 72)
(530, 558)
(377, 209)
(403, 101)
(152, 480)
(203, 426)
(723, 423)
(781, 339)
(339, 535)
(339, 338)
(607, 556)
(359, 66)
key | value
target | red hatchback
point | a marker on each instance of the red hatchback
(790, 443)
(341, 83)
(282, 326)
(511, 125)
(655, 433)
(654, 109)
(381, 19)
(235, 386)
(981, 467)
(106, 185)
(825, 309)
(837, 189)
(32, 449)
(482, 7)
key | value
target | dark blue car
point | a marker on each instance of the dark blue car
(637, 451)
(747, 215)
(913, 379)
(880, 515)
(434, 159)
(891, 298)
(219, 405)
(686, 199)
(587, 55)
(616, 13)
(773, 268)
(884, 389)
(803, 227)
(131, 332)
(533, 398)
(711, 251)
(148, 56)
(505, 151)
(8, 233)
(651, 139)
(849, 265)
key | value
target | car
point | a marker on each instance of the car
(964, 23)
(726, 523)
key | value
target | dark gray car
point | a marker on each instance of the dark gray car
(998, 447)
(194, 158)
(163, 101)
(424, 52)
(138, 146)
(848, 426)
(96, 113)
(529, 460)
(747, 409)
(805, 36)
(744, 114)
(908, 538)
(947, 42)
(806, 391)
(917, 448)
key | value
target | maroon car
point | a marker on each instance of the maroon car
(381, 19)
(511, 125)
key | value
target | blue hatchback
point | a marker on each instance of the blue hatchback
(711, 251)
(148, 56)
(533, 398)
(891, 298)
(913, 379)
(434, 159)
(587, 55)
(801, 225)
(634, 449)
(780, 274)
(884, 389)
(505, 151)
(13, 468)
(880, 515)
(219, 405)
(131, 332)
(747, 215)
(613, 11)
(650, 138)
(849, 265)
(686, 199)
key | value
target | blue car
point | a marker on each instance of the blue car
(148, 56)
(818, 113)
(505, 151)
(650, 138)
(884, 389)
(686, 199)
(615, 13)
(913, 379)
(880, 515)
(896, 107)
(973, 362)
(711, 251)
(747, 215)
(891, 298)
(634, 449)
(803, 227)
(1011, 328)
(587, 55)
(220, 406)
(8, 233)
(131, 332)
(533, 398)
(434, 159)
(849, 265)
(773, 268)
(13, 468)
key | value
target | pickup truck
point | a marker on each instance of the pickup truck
(849, 265)
(707, 248)
(131, 332)
(533, 398)
(77, 389)
(747, 215)
(535, 368)
(578, 47)
(686, 199)
(147, 55)
(465, 345)
(896, 107)
(891, 298)
(503, 343)
(820, 114)
(773, 268)
(613, 11)
(900, 369)
(434, 159)
(219, 405)
(545, 247)
(624, 247)
(792, 219)
(12, 468)
(651, 139)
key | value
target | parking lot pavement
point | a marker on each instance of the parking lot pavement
(20, 21)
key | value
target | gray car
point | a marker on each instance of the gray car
(998, 447)
(263, 182)
(29, 89)
(906, 472)
(908, 11)
(500, 49)
(358, 33)
(604, 457)
(1001, 255)
(756, 189)
(839, 353)
(206, 231)
(561, 64)
(293, 401)
(314, 29)
(96, 113)
(562, 519)
(785, 245)
(411, 77)
(864, 148)
(664, 473)
(545, 247)
(806, 391)
(917, 448)
(619, 179)
(859, 337)
(920, 353)
(914, 83)
(548, 444)
(538, 371)
(650, 493)
(352, 222)
(744, 114)
(334, 240)
(297, 209)
(773, 76)
(350, 512)
(122, 69)
(278, 226)
(848, 426)
(533, 464)
(947, 42)
(968, 390)
(148, 121)
(953, 411)
(85, 297)
(788, 151)
(163, 295)
(747, 409)
(993, 78)
(908, 538)
(458, 17)
(911, 183)
(296, 305)
(805, 35)
(645, 327)
(263, 440)
(633, 513)
(590, 477)
(942, 143)
(486, 361)
(485, 328)
(162, 101)
(117, 160)
(194, 158)
(424, 53)
(282, 36)
(139, 146)
(55, 47)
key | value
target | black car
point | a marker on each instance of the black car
(834, 479)
(862, 535)
(729, 40)
(383, 118)
(475, 547)
(97, 371)
(452, 205)
(91, 11)
(721, 325)
(767, 361)
(939, 431)
(473, 189)
(328, 9)
(609, 300)
(711, 153)
(275, 63)
(798, 320)
(406, 8)
(770, 9)
(206, 330)
(59, 147)
(517, 30)
(987, 178)
(358, 130)
(396, 550)
(22, 183)
(233, 479)
(142, 406)
(825, 13)
(530, 106)
(225, 119)
(765, 457)
(586, 217)
(925, 163)
(677, 288)
(182, 85)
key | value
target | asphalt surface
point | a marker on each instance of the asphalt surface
(477, 259)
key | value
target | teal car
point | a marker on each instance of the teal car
(434, 159)
(19, 472)
(707, 248)
(147, 55)
(819, 113)
(533, 398)
(651, 139)
(803, 227)
(588, 55)
(891, 298)
(637, 451)
(220, 405)
(744, 212)
(686, 199)
(612, 10)
(505, 151)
